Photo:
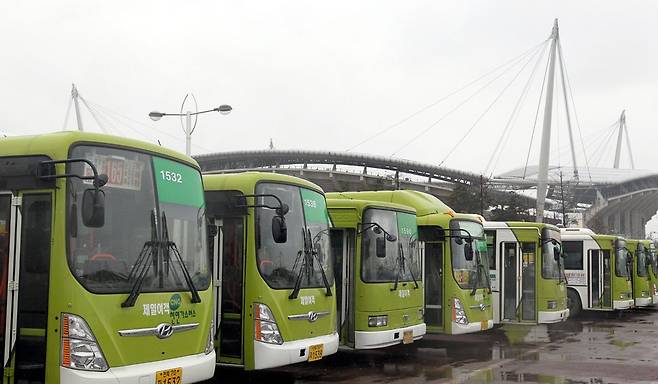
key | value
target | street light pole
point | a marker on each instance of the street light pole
(224, 109)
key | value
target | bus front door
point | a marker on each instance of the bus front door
(528, 281)
(342, 248)
(434, 284)
(228, 250)
(25, 242)
(509, 265)
(600, 279)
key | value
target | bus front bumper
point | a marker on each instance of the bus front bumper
(195, 368)
(547, 317)
(379, 339)
(291, 352)
(460, 329)
(642, 301)
(623, 304)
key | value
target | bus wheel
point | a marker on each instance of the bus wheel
(573, 303)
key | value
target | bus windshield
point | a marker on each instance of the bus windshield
(652, 259)
(551, 268)
(142, 193)
(641, 260)
(401, 261)
(468, 273)
(306, 250)
(621, 269)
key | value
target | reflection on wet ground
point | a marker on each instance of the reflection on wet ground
(598, 347)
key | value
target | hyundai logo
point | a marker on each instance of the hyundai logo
(482, 307)
(164, 330)
(312, 316)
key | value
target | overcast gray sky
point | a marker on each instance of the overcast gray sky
(327, 75)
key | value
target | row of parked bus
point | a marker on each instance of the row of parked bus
(121, 263)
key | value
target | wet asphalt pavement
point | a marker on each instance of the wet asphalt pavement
(598, 347)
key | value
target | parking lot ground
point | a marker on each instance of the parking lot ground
(597, 347)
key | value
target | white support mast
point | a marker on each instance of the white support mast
(566, 108)
(542, 178)
(620, 137)
(75, 96)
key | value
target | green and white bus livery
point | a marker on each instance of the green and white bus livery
(377, 266)
(105, 272)
(527, 272)
(597, 271)
(458, 301)
(642, 292)
(274, 284)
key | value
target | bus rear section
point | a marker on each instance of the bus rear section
(529, 273)
(275, 292)
(642, 290)
(105, 271)
(378, 271)
(596, 270)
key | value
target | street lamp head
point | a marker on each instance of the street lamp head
(225, 109)
(155, 116)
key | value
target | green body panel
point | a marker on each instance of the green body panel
(431, 211)
(641, 288)
(622, 288)
(103, 312)
(375, 299)
(545, 289)
(256, 289)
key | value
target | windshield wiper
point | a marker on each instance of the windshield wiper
(305, 252)
(314, 252)
(147, 257)
(480, 270)
(400, 269)
(170, 246)
(150, 255)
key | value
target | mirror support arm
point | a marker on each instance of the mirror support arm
(44, 171)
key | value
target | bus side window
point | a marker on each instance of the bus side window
(573, 254)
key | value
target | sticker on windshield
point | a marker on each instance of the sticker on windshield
(315, 209)
(177, 183)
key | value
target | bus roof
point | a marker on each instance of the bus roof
(585, 233)
(429, 209)
(56, 145)
(347, 212)
(246, 181)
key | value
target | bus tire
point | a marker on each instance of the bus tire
(573, 303)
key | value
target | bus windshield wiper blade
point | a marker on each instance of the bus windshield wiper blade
(314, 252)
(147, 257)
(303, 266)
(171, 247)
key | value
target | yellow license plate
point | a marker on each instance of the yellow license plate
(408, 337)
(315, 352)
(169, 376)
(484, 325)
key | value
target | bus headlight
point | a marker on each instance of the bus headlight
(79, 347)
(378, 321)
(551, 304)
(210, 344)
(266, 329)
(458, 313)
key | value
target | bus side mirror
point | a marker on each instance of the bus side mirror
(556, 254)
(213, 230)
(380, 245)
(93, 208)
(279, 229)
(468, 250)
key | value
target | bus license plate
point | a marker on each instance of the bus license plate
(315, 352)
(169, 376)
(484, 325)
(408, 337)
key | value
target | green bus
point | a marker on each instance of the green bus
(105, 275)
(653, 269)
(377, 267)
(596, 270)
(459, 301)
(274, 285)
(527, 272)
(642, 292)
